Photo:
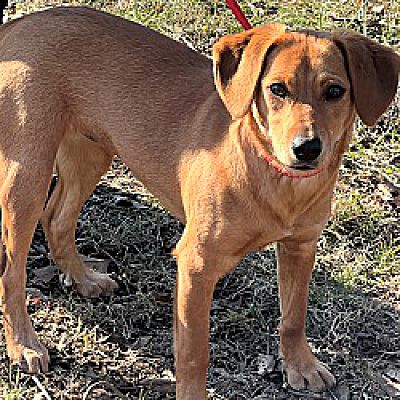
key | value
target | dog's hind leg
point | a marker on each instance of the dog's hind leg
(32, 122)
(80, 164)
(24, 187)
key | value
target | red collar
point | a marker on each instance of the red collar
(285, 171)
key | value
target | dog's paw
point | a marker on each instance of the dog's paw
(309, 375)
(304, 371)
(95, 284)
(33, 358)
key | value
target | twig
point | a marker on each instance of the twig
(103, 384)
(41, 387)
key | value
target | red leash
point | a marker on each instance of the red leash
(234, 6)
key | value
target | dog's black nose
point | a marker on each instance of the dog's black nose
(306, 149)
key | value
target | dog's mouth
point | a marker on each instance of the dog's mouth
(304, 167)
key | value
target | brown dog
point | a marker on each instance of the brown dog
(78, 86)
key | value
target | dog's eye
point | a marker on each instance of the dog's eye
(334, 92)
(279, 89)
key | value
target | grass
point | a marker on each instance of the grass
(121, 346)
(12, 388)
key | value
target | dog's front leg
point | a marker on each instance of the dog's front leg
(296, 261)
(198, 272)
(194, 290)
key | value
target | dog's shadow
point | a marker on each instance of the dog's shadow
(122, 345)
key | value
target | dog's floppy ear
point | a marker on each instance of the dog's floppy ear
(374, 72)
(238, 60)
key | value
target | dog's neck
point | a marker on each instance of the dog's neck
(286, 196)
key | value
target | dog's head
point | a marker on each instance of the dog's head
(303, 88)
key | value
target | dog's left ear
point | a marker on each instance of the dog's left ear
(238, 60)
(374, 72)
